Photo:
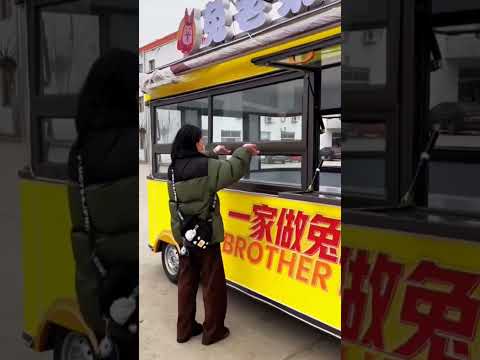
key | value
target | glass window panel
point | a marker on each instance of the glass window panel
(58, 135)
(276, 170)
(455, 87)
(171, 118)
(163, 162)
(457, 192)
(363, 175)
(363, 157)
(365, 67)
(365, 137)
(7, 122)
(123, 31)
(455, 107)
(272, 113)
(69, 44)
(331, 88)
(448, 6)
(365, 42)
(5, 9)
(331, 77)
(359, 70)
(332, 139)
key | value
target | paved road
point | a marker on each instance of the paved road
(258, 331)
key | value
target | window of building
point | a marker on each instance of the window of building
(141, 104)
(287, 135)
(265, 135)
(151, 64)
(140, 68)
(231, 136)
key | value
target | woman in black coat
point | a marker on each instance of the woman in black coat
(104, 163)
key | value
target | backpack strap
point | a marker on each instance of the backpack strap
(175, 196)
(87, 227)
(177, 204)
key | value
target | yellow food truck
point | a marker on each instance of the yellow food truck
(411, 215)
(52, 318)
(277, 86)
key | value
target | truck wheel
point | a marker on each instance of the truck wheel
(171, 262)
(75, 346)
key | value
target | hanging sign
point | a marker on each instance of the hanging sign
(221, 20)
(189, 32)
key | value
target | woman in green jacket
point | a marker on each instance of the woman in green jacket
(195, 176)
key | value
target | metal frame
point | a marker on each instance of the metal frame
(307, 147)
(443, 154)
(381, 102)
(269, 60)
(267, 147)
(277, 148)
(57, 106)
(408, 129)
(313, 78)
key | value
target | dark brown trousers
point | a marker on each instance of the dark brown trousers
(205, 267)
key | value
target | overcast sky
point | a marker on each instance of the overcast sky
(162, 17)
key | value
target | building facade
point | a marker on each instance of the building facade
(150, 56)
(10, 126)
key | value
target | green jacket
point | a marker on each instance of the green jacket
(197, 179)
(113, 209)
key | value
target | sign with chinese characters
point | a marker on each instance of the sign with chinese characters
(221, 20)
(307, 262)
(286, 250)
(402, 306)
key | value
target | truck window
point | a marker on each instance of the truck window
(268, 114)
(454, 103)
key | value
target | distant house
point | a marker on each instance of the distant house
(151, 56)
(9, 126)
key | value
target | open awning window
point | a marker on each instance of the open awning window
(306, 58)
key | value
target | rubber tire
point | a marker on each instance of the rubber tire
(59, 342)
(173, 278)
(60, 339)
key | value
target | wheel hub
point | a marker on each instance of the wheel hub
(172, 259)
(77, 347)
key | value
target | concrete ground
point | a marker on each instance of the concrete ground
(258, 331)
